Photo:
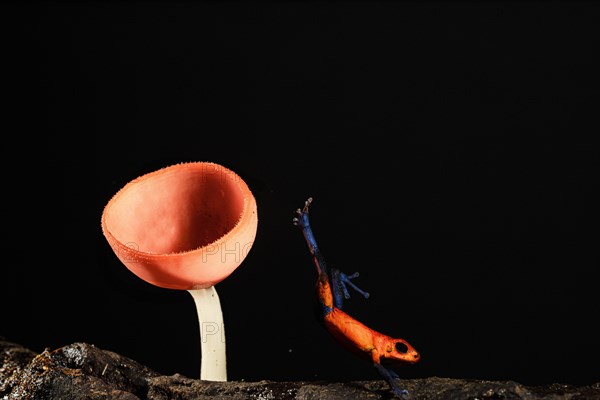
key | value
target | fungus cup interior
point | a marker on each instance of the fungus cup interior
(186, 226)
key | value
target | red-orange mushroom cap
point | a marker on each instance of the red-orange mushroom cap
(186, 226)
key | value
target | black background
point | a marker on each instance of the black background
(449, 148)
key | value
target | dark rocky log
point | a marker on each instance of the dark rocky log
(82, 371)
(76, 371)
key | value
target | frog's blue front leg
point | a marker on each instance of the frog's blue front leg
(389, 376)
(340, 290)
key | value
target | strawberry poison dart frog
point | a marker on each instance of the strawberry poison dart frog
(379, 349)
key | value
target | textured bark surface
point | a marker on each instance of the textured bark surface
(82, 371)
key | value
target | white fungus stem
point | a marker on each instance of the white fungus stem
(213, 366)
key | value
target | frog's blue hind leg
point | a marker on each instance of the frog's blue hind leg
(301, 220)
(339, 280)
(340, 290)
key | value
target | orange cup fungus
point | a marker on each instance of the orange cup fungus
(186, 226)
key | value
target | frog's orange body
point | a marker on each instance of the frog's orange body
(362, 340)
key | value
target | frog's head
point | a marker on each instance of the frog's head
(399, 352)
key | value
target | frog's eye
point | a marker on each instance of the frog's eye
(401, 347)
